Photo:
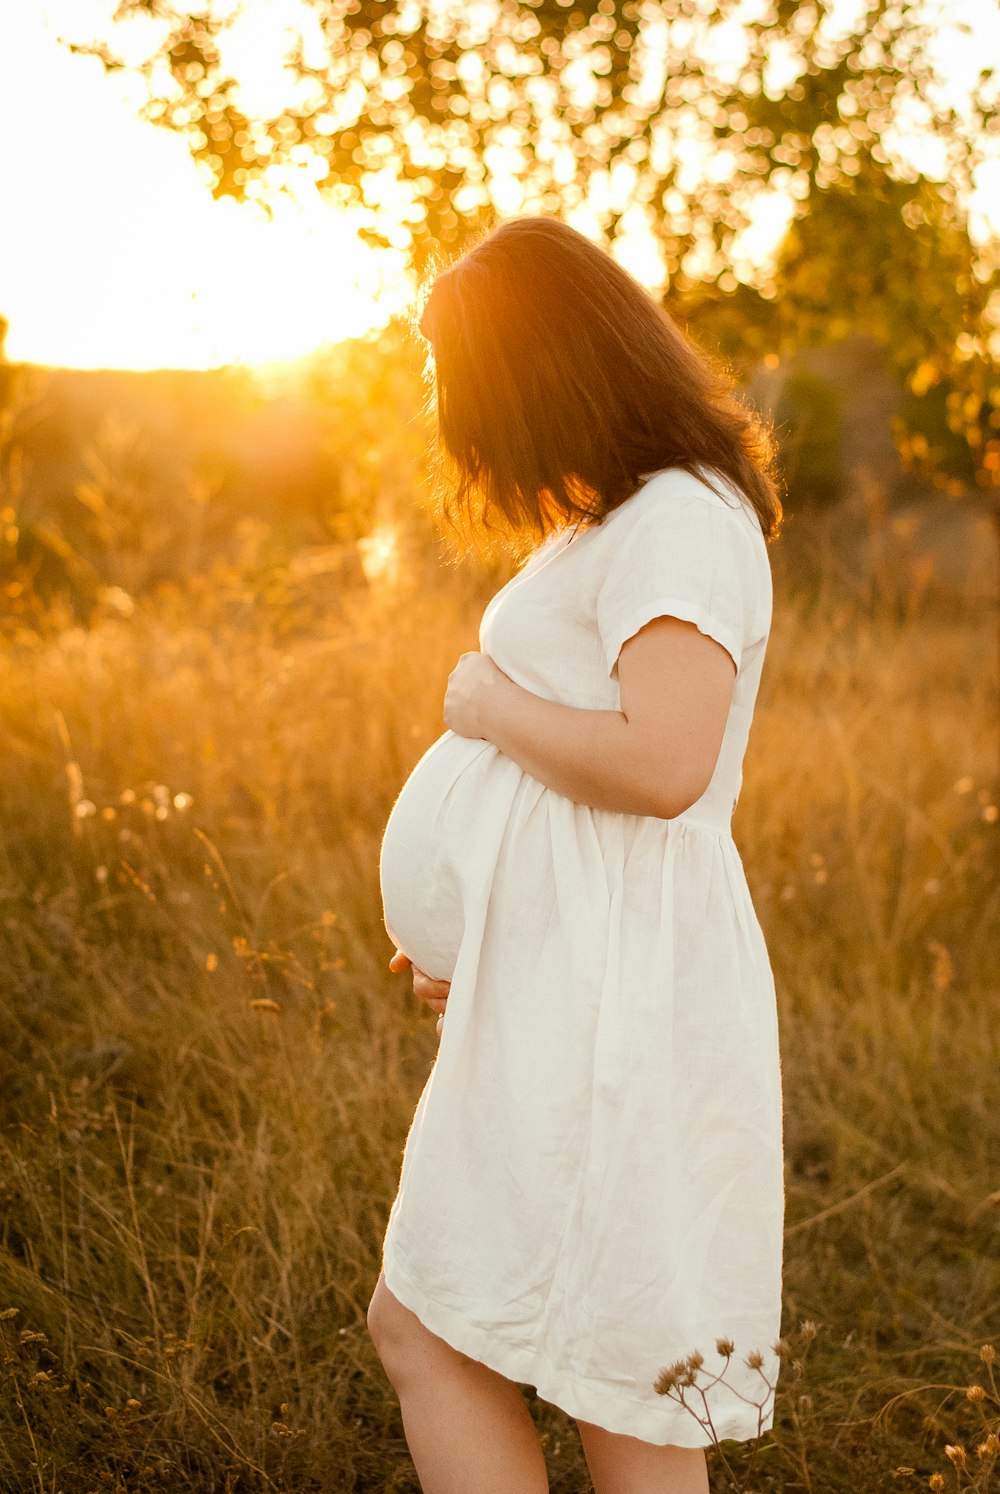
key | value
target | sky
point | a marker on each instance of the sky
(113, 252)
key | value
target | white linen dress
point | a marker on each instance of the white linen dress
(592, 1186)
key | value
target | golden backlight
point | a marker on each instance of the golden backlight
(113, 252)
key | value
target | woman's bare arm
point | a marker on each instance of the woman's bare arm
(655, 756)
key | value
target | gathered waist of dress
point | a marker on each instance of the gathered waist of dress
(702, 823)
(714, 823)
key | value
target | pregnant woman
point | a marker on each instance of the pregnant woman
(592, 1186)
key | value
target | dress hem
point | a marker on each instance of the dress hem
(589, 1401)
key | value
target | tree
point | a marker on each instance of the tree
(437, 115)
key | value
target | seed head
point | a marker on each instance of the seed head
(781, 1347)
(808, 1329)
(987, 1353)
(669, 1378)
(992, 1445)
(725, 1347)
(936, 1481)
(956, 1452)
(695, 1360)
(755, 1359)
(975, 1393)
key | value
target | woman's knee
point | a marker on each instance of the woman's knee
(386, 1326)
(405, 1347)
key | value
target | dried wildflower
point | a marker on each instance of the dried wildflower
(725, 1347)
(755, 1359)
(669, 1378)
(936, 1481)
(956, 1452)
(781, 1347)
(808, 1329)
(975, 1393)
(987, 1353)
(695, 1360)
(182, 1346)
(992, 1445)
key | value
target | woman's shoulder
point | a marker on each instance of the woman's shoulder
(678, 494)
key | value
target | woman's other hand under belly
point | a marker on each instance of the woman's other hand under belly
(433, 993)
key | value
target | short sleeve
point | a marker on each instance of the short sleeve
(680, 556)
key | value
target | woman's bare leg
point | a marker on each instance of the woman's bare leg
(625, 1465)
(467, 1427)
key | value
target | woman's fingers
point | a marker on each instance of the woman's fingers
(433, 993)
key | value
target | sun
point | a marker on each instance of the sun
(117, 255)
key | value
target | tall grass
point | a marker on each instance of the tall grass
(207, 1070)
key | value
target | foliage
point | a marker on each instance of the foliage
(433, 90)
(808, 415)
(112, 485)
(435, 118)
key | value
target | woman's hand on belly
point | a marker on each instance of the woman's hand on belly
(655, 756)
(471, 685)
(433, 993)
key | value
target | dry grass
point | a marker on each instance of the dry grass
(207, 1071)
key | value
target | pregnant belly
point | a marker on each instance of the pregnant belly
(436, 845)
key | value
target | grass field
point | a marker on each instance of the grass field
(207, 1070)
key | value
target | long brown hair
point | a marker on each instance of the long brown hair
(560, 381)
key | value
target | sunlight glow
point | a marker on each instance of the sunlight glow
(115, 254)
(380, 557)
